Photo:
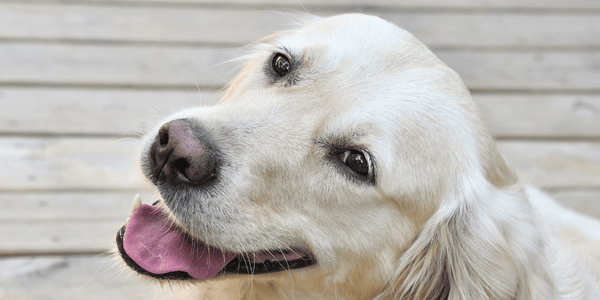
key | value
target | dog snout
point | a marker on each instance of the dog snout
(181, 154)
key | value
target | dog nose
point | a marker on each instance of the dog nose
(182, 154)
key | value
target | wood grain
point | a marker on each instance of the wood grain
(93, 111)
(161, 24)
(69, 206)
(554, 164)
(70, 277)
(58, 237)
(68, 163)
(541, 116)
(92, 65)
(515, 70)
(156, 66)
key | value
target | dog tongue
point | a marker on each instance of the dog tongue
(158, 246)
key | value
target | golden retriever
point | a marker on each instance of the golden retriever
(346, 161)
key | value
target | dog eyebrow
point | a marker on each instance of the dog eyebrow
(284, 50)
(341, 140)
(346, 136)
(334, 141)
(272, 43)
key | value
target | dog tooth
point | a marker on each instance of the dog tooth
(137, 202)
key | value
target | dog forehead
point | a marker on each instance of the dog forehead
(347, 27)
(342, 36)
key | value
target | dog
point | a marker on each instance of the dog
(346, 161)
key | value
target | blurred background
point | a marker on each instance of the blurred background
(81, 79)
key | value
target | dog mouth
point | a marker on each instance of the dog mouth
(151, 244)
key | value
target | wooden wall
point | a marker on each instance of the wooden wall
(81, 79)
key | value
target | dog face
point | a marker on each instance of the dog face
(335, 146)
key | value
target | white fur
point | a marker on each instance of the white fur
(446, 217)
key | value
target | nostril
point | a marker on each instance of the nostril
(181, 166)
(163, 136)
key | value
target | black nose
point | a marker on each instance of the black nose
(183, 154)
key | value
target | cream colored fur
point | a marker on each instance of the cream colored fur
(446, 217)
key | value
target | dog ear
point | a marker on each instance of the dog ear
(481, 243)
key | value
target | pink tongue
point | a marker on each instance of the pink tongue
(160, 247)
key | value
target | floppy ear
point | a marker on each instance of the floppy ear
(481, 243)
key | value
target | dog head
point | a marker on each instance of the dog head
(344, 159)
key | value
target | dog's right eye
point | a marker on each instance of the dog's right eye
(357, 161)
(281, 65)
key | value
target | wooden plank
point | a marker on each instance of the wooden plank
(71, 277)
(69, 111)
(554, 164)
(584, 201)
(58, 237)
(117, 111)
(68, 163)
(525, 70)
(142, 24)
(166, 66)
(445, 4)
(503, 30)
(547, 116)
(90, 65)
(104, 163)
(237, 26)
(69, 206)
(65, 222)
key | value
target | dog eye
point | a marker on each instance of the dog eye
(281, 65)
(356, 161)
